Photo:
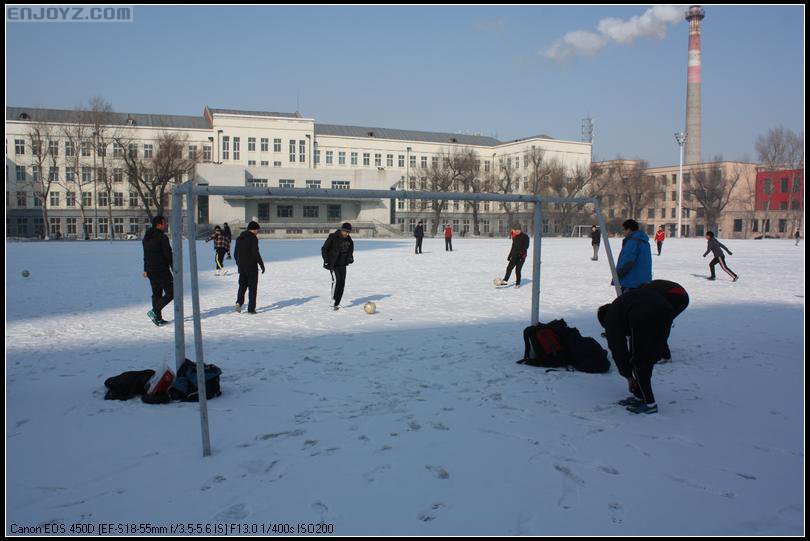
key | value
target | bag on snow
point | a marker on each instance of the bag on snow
(555, 345)
(185, 385)
(157, 390)
(127, 384)
(542, 347)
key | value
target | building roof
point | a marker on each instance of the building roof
(65, 116)
(254, 113)
(404, 135)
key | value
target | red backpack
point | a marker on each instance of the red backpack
(542, 347)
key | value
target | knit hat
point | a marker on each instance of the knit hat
(253, 226)
(346, 227)
(517, 227)
(601, 314)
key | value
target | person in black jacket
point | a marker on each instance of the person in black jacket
(646, 317)
(248, 258)
(419, 233)
(226, 230)
(157, 266)
(596, 240)
(517, 255)
(676, 296)
(338, 253)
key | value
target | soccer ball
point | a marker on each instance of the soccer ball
(26, 274)
(370, 307)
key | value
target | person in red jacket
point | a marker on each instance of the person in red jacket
(448, 238)
(659, 238)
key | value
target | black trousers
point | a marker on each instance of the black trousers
(647, 343)
(248, 281)
(660, 243)
(418, 245)
(339, 283)
(448, 244)
(722, 261)
(515, 263)
(219, 257)
(162, 284)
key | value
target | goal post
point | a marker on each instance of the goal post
(192, 190)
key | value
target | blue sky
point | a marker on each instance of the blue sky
(474, 69)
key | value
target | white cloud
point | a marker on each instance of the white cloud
(651, 24)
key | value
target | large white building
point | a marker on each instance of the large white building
(261, 149)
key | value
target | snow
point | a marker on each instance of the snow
(413, 420)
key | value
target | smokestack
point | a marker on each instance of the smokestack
(692, 151)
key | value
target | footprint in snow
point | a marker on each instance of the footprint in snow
(232, 514)
(438, 471)
(430, 515)
(616, 512)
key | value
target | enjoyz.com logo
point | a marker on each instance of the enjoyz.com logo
(69, 14)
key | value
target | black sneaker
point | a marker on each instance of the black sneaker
(711, 278)
(162, 322)
(251, 312)
(643, 408)
(630, 401)
(735, 278)
(336, 308)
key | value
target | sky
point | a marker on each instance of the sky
(473, 69)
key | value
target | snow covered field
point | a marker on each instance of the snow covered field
(414, 420)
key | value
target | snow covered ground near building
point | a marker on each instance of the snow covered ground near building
(414, 420)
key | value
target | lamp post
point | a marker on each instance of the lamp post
(680, 137)
(95, 183)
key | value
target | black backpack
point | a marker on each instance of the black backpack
(543, 346)
(185, 384)
(556, 345)
(127, 385)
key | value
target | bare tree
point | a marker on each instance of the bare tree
(76, 135)
(99, 117)
(463, 163)
(44, 153)
(152, 175)
(626, 181)
(438, 177)
(713, 190)
(505, 181)
(562, 182)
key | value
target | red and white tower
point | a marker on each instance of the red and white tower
(692, 151)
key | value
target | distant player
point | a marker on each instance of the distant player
(659, 238)
(221, 247)
(157, 266)
(248, 260)
(338, 253)
(798, 237)
(517, 255)
(596, 240)
(448, 238)
(226, 230)
(419, 233)
(716, 248)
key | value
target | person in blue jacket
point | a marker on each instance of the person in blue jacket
(635, 260)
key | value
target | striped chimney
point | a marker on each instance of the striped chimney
(692, 151)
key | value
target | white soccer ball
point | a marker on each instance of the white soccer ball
(370, 307)
(26, 274)
(497, 281)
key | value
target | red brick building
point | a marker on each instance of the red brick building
(780, 190)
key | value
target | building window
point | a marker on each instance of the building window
(333, 212)
(55, 226)
(226, 147)
(102, 199)
(19, 146)
(366, 159)
(754, 226)
(354, 158)
(87, 199)
(22, 226)
(310, 211)
(22, 199)
(401, 160)
(87, 175)
(796, 185)
(783, 205)
(118, 174)
(118, 150)
(284, 211)
(70, 149)
(257, 183)
(70, 199)
(782, 226)
(378, 160)
(21, 172)
(53, 174)
(412, 161)
(71, 225)
(784, 185)
(133, 199)
(292, 151)
(276, 164)
(276, 145)
(207, 153)
(118, 226)
(251, 162)
(54, 199)
(302, 151)
(264, 212)
(265, 144)
(192, 152)
(53, 148)
(265, 163)
(424, 162)
(341, 184)
(251, 144)
(103, 224)
(389, 160)
(148, 150)
(738, 226)
(235, 148)
(341, 158)
(313, 183)
(329, 157)
(286, 183)
(317, 156)
(118, 199)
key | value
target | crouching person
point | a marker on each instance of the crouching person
(645, 317)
